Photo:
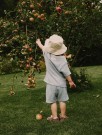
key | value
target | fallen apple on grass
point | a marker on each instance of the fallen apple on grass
(39, 116)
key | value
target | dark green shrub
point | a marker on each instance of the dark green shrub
(6, 67)
(81, 79)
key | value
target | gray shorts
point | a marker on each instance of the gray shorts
(56, 93)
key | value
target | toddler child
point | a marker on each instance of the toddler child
(57, 72)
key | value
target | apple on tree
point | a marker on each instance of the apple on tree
(27, 66)
(58, 9)
(23, 3)
(30, 58)
(31, 19)
(32, 6)
(36, 15)
(30, 49)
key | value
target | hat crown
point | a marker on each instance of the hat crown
(55, 45)
(56, 41)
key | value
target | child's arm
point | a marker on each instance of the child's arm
(66, 72)
(38, 42)
(71, 83)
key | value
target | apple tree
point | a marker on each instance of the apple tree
(77, 21)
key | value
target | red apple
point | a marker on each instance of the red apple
(61, 3)
(39, 117)
(30, 49)
(31, 19)
(36, 15)
(31, 6)
(30, 58)
(23, 3)
(33, 11)
(27, 66)
(58, 9)
(42, 18)
(42, 15)
(39, 16)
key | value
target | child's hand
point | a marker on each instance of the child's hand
(72, 85)
(38, 41)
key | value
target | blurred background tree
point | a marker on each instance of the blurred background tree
(78, 22)
(7, 5)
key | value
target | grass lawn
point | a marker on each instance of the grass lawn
(17, 112)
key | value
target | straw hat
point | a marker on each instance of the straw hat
(54, 45)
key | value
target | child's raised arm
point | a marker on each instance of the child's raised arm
(38, 42)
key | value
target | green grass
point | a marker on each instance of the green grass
(17, 113)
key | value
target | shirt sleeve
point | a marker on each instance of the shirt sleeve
(65, 70)
(44, 52)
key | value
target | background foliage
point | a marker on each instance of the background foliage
(78, 22)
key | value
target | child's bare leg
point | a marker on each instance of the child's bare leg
(62, 108)
(54, 109)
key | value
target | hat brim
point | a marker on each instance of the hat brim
(48, 49)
